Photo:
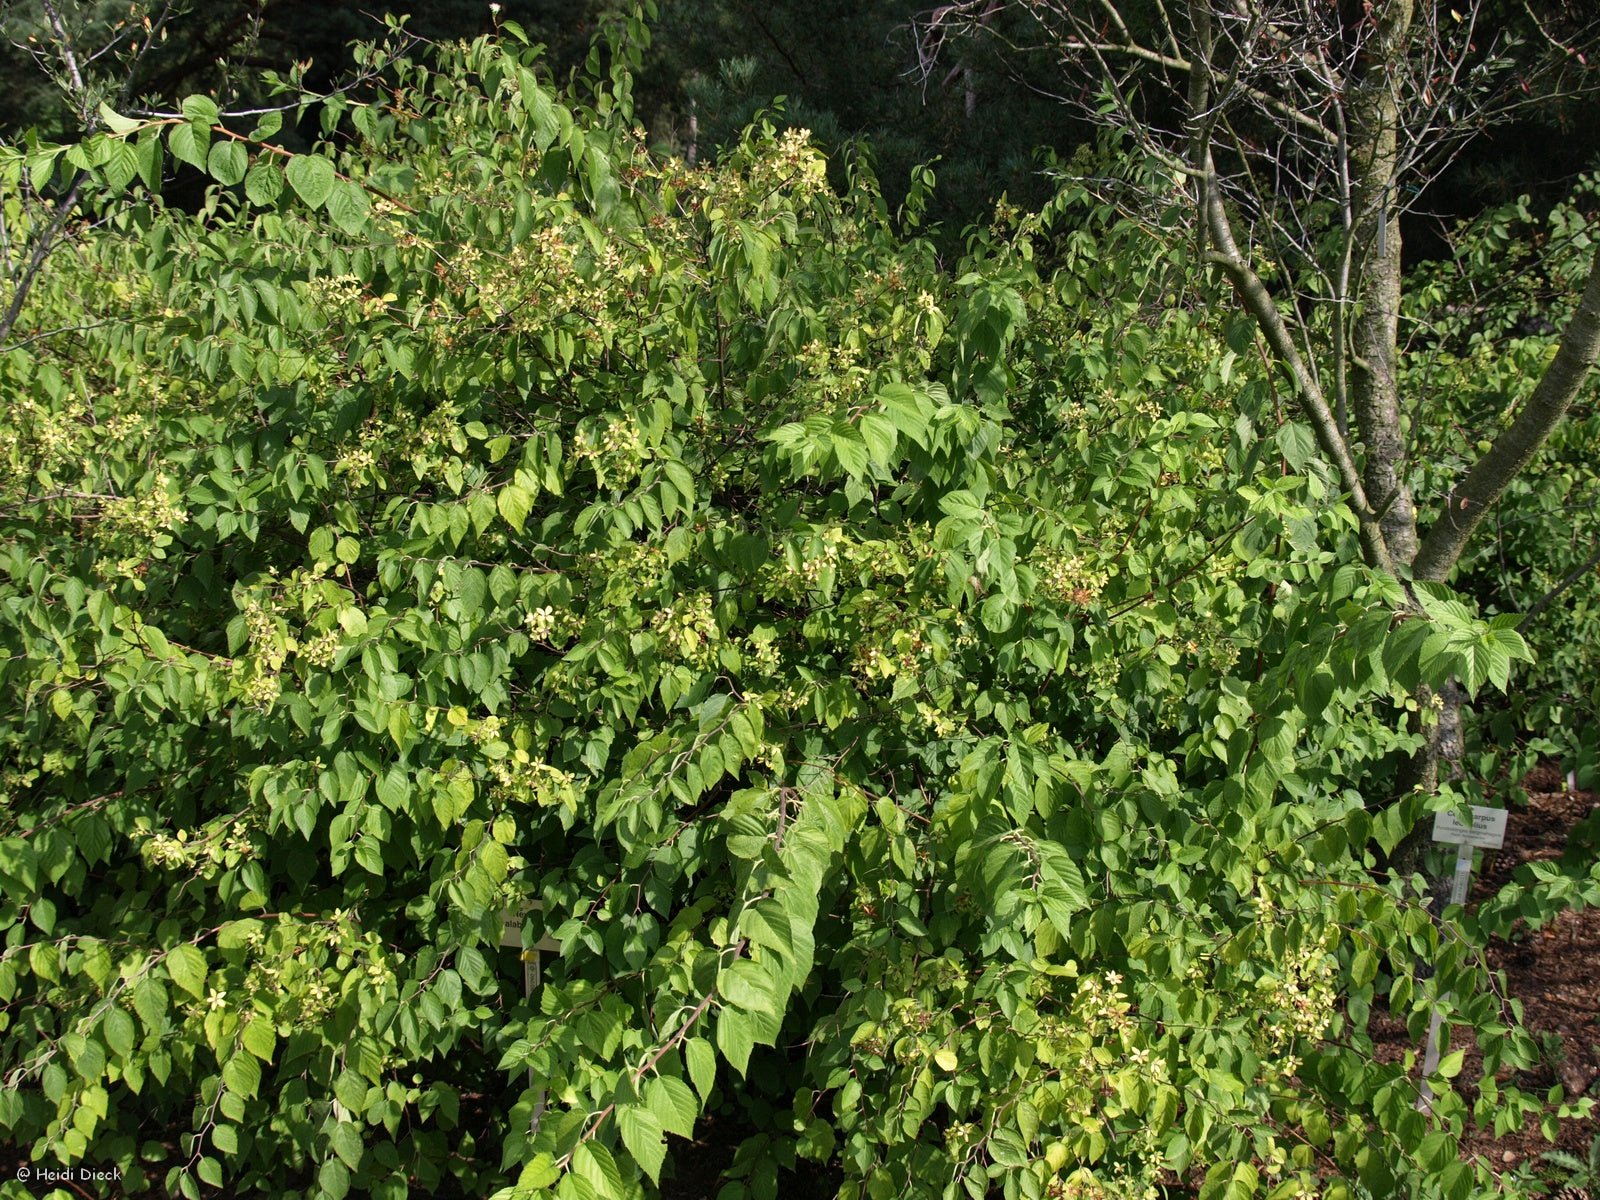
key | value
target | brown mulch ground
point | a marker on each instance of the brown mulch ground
(1554, 971)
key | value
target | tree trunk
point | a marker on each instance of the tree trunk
(1374, 390)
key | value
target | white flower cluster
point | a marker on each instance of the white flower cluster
(688, 630)
(1300, 999)
(618, 454)
(1069, 578)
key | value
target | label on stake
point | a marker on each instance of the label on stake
(1487, 829)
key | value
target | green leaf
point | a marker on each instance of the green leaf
(962, 505)
(850, 450)
(673, 1104)
(120, 166)
(118, 1031)
(117, 123)
(334, 1179)
(643, 1136)
(1363, 967)
(735, 1038)
(263, 183)
(200, 110)
(593, 1163)
(345, 1141)
(42, 167)
(228, 162)
(149, 153)
(879, 433)
(267, 126)
(515, 503)
(747, 985)
(1243, 1183)
(187, 968)
(540, 1172)
(312, 177)
(702, 1064)
(1315, 691)
(349, 206)
(1062, 891)
(1296, 444)
(259, 1038)
(189, 143)
(241, 1074)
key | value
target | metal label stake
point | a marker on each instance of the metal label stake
(1486, 830)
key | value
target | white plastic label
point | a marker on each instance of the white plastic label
(512, 934)
(1487, 829)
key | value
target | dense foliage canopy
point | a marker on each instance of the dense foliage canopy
(940, 715)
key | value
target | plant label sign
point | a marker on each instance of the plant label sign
(515, 936)
(1487, 829)
(512, 934)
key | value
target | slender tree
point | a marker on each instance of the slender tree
(1304, 131)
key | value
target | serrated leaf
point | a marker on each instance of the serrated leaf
(850, 450)
(263, 183)
(1062, 891)
(702, 1063)
(118, 1031)
(1296, 444)
(312, 177)
(1243, 1183)
(116, 122)
(189, 144)
(267, 126)
(593, 1163)
(962, 505)
(349, 206)
(227, 162)
(187, 968)
(514, 503)
(1363, 967)
(1315, 691)
(199, 110)
(42, 167)
(539, 1173)
(908, 410)
(735, 1038)
(259, 1038)
(120, 166)
(334, 1179)
(673, 1104)
(149, 153)
(747, 985)
(880, 435)
(345, 1141)
(644, 1138)
(241, 1075)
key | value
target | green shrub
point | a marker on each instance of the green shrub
(1487, 320)
(932, 711)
